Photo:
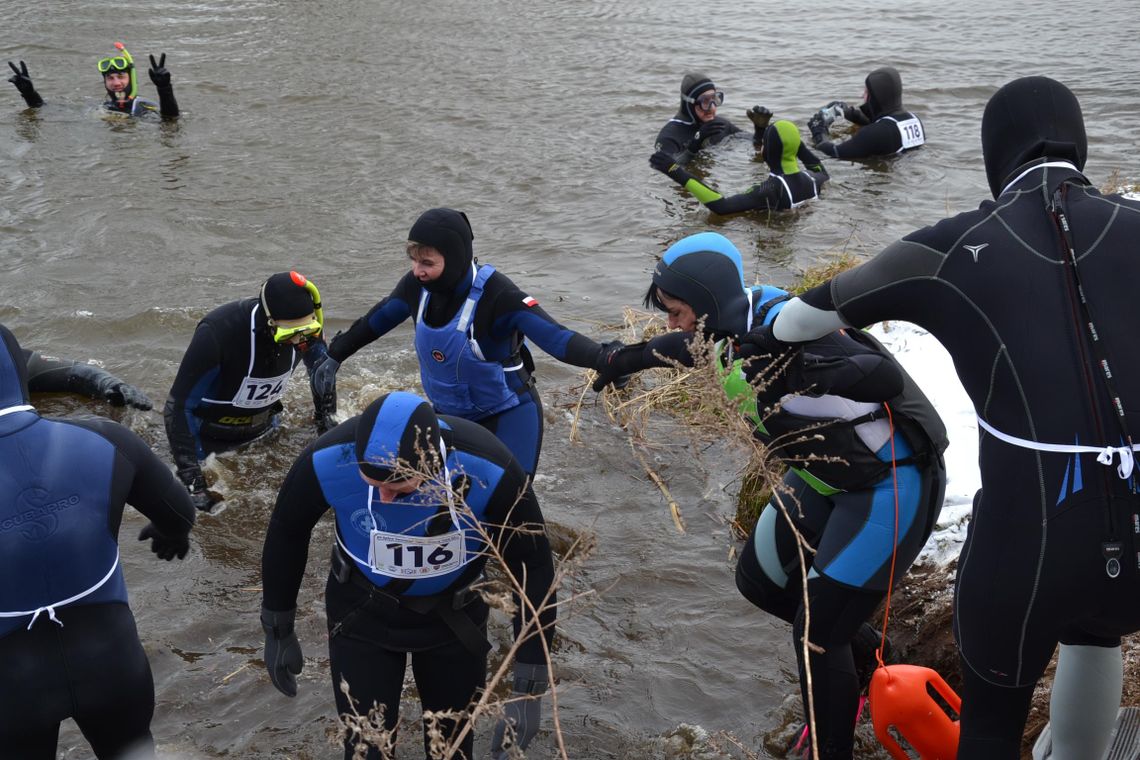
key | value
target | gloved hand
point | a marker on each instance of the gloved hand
(760, 117)
(166, 547)
(832, 111)
(817, 128)
(759, 341)
(856, 114)
(522, 715)
(283, 658)
(663, 162)
(604, 366)
(125, 394)
(24, 84)
(324, 378)
(158, 73)
(195, 483)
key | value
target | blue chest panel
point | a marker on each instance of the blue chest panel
(55, 541)
(413, 515)
(456, 377)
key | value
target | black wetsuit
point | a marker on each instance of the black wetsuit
(885, 128)
(222, 397)
(503, 317)
(1034, 569)
(67, 637)
(374, 625)
(787, 187)
(51, 375)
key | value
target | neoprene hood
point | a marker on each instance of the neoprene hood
(884, 92)
(397, 426)
(283, 298)
(706, 272)
(13, 371)
(449, 232)
(692, 85)
(1029, 119)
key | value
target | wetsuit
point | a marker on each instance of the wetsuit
(141, 107)
(495, 389)
(787, 187)
(828, 403)
(680, 137)
(1050, 517)
(376, 618)
(229, 385)
(67, 637)
(885, 128)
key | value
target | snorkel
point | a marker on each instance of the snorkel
(122, 62)
(280, 289)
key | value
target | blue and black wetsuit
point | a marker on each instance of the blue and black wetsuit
(380, 608)
(67, 637)
(480, 370)
(998, 287)
(848, 421)
(229, 385)
(886, 128)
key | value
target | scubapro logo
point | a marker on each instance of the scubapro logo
(36, 517)
(975, 249)
(437, 355)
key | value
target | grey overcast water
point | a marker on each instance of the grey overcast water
(313, 134)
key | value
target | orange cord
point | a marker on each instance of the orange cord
(895, 547)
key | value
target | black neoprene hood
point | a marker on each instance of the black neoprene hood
(283, 298)
(449, 232)
(1029, 119)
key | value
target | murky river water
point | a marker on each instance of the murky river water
(315, 132)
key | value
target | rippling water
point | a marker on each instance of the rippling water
(315, 132)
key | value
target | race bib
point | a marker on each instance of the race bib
(398, 556)
(911, 131)
(260, 392)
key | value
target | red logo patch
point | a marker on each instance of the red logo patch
(437, 355)
(528, 301)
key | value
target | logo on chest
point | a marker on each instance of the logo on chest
(438, 355)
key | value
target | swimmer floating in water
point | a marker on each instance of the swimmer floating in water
(121, 83)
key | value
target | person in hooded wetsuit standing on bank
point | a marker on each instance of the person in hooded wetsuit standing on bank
(68, 641)
(787, 187)
(470, 325)
(1057, 397)
(885, 127)
(120, 82)
(235, 371)
(861, 441)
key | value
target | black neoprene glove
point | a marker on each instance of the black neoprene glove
(99, 383)
(168, 106)
(195, 483)
(166, 547)
(760, 117)
(664, 163)
(283, 657)
(24, 84)
(818, 128)
(709, 134)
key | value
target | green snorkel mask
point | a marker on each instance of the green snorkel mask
(122, 62)
(307, 330)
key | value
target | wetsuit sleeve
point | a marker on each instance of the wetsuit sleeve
(878, 139)
(312, 354)
(857, 115)
(167, 105)
(526, 550)
(381, 318)
(656, 352)
(153, 490)
(300, 504)
(860, 375)
(813, 163)
(60, 376)
(674, 140)
(200, 365)
(515, 311)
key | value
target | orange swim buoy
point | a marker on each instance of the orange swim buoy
(901, 700)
